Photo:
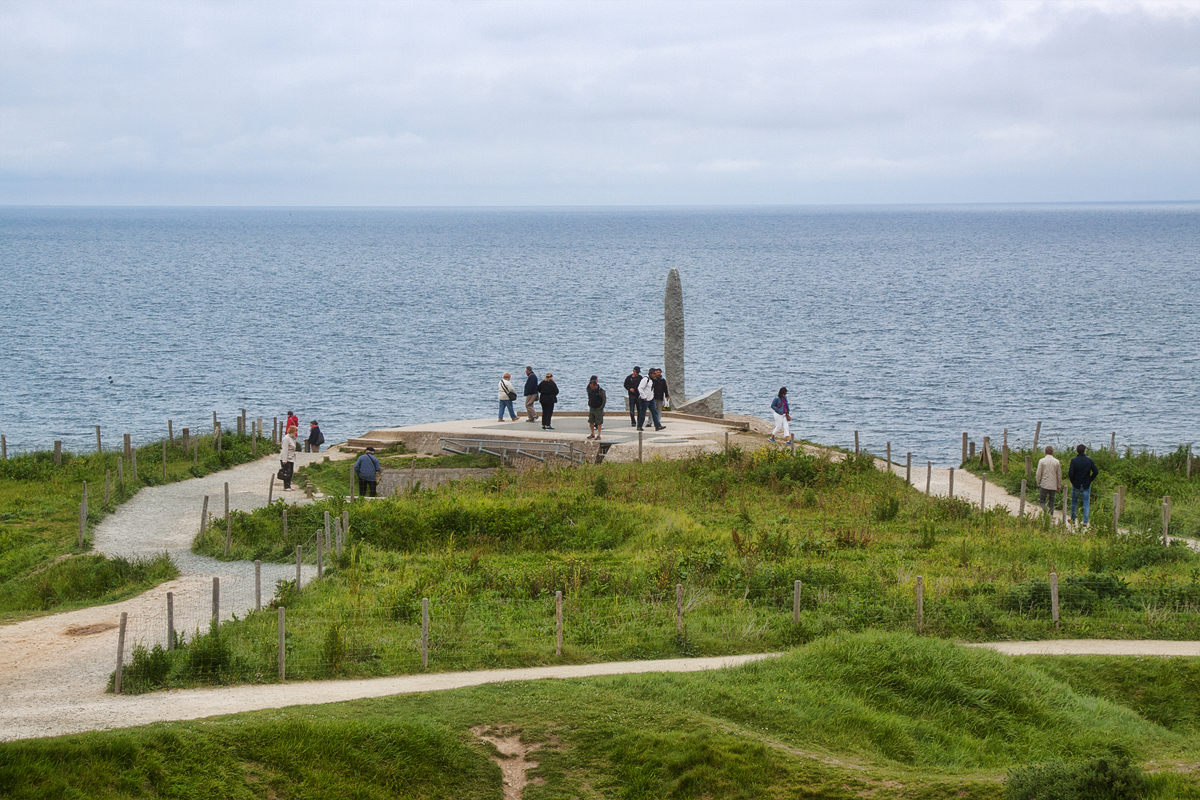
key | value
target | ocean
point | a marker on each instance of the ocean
(907, 324)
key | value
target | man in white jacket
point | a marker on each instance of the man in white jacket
(646, 403)
(1049, 480)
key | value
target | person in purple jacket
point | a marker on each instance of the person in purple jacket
(779, 407)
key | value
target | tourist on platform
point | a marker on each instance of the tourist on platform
(368, 470)
(662, 394)
(646, 403)
(779, 407)
(632, 381)
(531, 393)
(506, 394)
(287, 457)
(315, 438)
(548, 394)
(596, 400)
(1049, 480)
(1081, 472)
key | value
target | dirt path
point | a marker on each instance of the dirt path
(53, 670)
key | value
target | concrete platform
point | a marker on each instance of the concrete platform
(683, 435)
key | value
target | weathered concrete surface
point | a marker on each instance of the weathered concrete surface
(673, 338)
(711, 404)
(399, 480)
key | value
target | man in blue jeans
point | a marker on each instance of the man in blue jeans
(1081, 473)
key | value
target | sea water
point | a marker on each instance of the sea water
(907, 324)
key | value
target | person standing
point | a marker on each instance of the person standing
(368, 469)
(315, 438)
(287, 457)
(1049, 480)
(632, 381)
(548, 394)
(646, 403)
(596, 401)
(779, 407)
(293, 421)
(1081, 472)
(507, 393)
(531, 393)
(662, 394)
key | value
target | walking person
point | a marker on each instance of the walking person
(368, 469)
(596, 401)
(315, 438)
(1049, 480)
(287, 457)
(531, 393)
(293, 421)
(506, 394)
(548, 394)
(779, 407)
(632, 381)
(1081, 472)
(662, 394)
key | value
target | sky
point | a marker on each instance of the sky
(577, 103)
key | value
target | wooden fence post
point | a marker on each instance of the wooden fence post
(983, 494)
(964, 448)
(558, 623)
(271, 490)
(204, 515)
(1004, 454)
(170, 432)
(1054, 597)
(3, 448)
(1114, 443)
(424, 632)
(1037, 434)
(216, 600)
(326, 530)
(952, 482)
(346, 526)
(58, 452)
(298, 560)
(120, 470)
(282, 644)
(185, 440)
(257, 585)
(320, 558)
(726, 441)
(796, 585)
(987, 453)
(1021, 513)
(920, 604)
(1028, 466)
(908, 469)
(1116, 510)
(679, 608)
(889, 456)
(928, 477)
(170, 620)
(856, 443)
(120, 653)
(98, 439)
(128, 447)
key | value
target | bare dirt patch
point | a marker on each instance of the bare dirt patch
(88, 630)
(512, 757)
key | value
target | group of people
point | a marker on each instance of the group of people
(1081, 473)
(647, 396)
(288, 446)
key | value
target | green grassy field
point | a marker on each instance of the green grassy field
(869, 714)
(42, 566)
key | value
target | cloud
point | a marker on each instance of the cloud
(596, 102)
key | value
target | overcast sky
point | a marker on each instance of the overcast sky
(597, 103)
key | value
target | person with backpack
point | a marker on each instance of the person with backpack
(315, 438)
(596, 401)
(368, 469)
(779, 407)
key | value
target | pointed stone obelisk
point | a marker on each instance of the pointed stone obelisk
(673, 339)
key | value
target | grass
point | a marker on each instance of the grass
(42, 565)
(1147, 478)
(870, 714)
(736, 531)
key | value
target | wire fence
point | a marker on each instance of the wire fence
(408, 634)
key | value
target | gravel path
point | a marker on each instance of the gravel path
(53, 669)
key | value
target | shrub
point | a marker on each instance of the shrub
(886, 508)
(1105, 778)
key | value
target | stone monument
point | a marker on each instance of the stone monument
(706, 405)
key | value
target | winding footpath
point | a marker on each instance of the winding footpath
(53, 669)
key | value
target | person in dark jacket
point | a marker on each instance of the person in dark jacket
(548, 394)
(1081, 473)
(632, 381)
(531, 393)
(662, 394)
(596, 400)
(315, 438)
(367, 468)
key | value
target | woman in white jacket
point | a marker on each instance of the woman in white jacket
(287, 456)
